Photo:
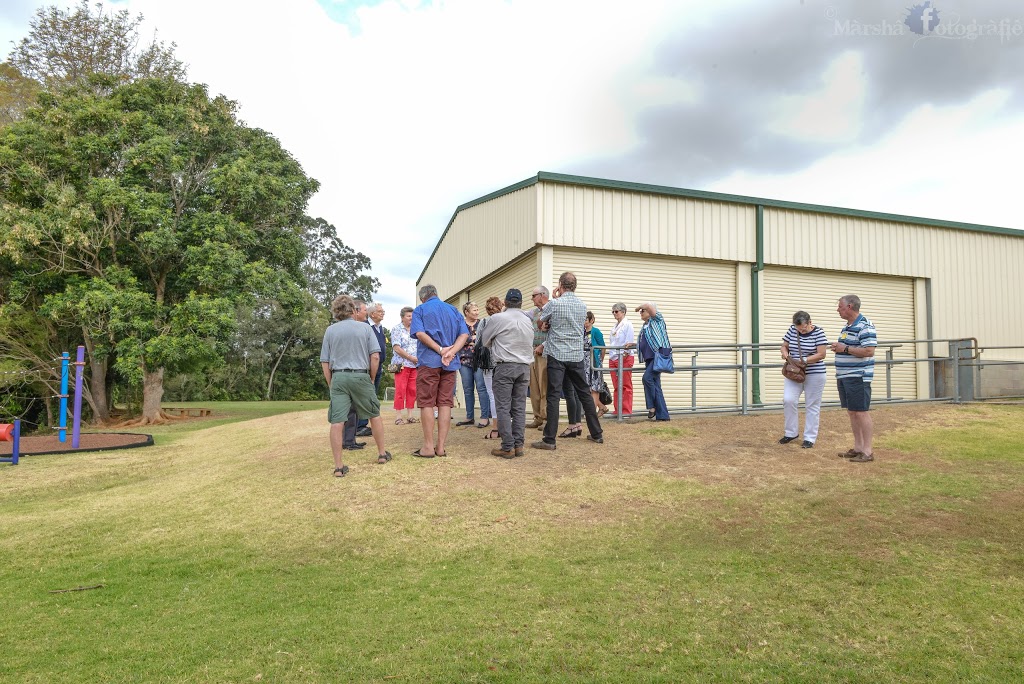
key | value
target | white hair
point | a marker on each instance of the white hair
(372, 308)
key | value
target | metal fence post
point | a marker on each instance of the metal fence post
(743, 382)
(618, 387)
(888, 373)
(693, 381)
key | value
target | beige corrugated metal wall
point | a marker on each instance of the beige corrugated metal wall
(888, 302)
(697, 298)
(972, 274)
(521, 275)
(481, 239)
(598, 218)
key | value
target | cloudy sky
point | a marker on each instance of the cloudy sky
(405, 109)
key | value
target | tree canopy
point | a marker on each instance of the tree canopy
(165, 209)
(67, 46)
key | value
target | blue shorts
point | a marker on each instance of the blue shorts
(854, 394)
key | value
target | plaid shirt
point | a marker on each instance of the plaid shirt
(566, 315)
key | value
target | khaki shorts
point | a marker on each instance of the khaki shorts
(435, 387)
(352, 391)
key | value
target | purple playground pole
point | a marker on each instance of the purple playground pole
(17, 442)
(77, 424)
(65, 358)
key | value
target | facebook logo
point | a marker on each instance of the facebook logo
(923, 18)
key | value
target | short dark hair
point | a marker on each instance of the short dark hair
(801, 317)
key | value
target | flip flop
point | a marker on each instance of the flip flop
(420, 455)
(442, 454)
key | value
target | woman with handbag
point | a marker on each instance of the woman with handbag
(403, 367)
(803, 353)
(493, 306)
(656, 352)
(473, 378)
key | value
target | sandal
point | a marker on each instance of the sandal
(601, 411)
(493, 434)
(651, 413)
(400, 421)
(384, 458)
(341, 472)
(571, 432)
(412, 420)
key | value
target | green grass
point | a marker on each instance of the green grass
(229, 555)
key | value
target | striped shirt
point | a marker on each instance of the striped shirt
(566, 315)
(860, 333)
(806, 345)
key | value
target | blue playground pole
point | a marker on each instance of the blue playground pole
(65, 358)
(16, 439)
(77, 418)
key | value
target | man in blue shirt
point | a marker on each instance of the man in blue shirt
(441, 332)
(855, 368)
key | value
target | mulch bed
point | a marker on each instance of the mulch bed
(88, 441)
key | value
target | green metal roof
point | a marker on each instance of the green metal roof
(547, 177)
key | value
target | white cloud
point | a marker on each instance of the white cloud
(834, 112)
(952, 163)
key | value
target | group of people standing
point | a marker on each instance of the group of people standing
(548, 353)
(805, 344)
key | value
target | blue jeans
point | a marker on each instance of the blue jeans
(471, 379)
(653, 396)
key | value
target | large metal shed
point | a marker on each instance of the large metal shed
(729, 269)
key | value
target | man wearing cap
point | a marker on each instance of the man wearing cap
(509, 335)
(442, 332)
(350, 356)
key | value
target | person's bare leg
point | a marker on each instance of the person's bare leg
(862, 431)
(427, 419)
(337, 439)
(377, 426)
(444, 423)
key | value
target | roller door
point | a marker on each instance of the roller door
(887, 301)
(697, 298)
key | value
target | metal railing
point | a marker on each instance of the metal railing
(955, 377)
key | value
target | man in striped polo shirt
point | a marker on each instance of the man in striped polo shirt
(855, 369)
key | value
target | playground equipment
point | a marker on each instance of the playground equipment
(11, 432)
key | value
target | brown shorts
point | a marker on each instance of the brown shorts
(435, 387)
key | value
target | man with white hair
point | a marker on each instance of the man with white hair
(375, 314)
(855, 369)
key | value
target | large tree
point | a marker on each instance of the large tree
(165, 207)
(331, 267)
(67, 46)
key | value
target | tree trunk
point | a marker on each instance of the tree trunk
(98, 390)
(152, 394)
(273, 371)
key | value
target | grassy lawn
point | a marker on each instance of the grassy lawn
(697, 552)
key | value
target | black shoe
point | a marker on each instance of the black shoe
(354, 447)
(807, 445)
(364, 432)
(598, 440)
(786, 440)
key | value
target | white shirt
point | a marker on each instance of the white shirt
(622, 334)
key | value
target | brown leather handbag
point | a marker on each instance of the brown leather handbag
(795, 370)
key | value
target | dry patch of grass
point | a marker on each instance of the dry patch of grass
(692, 550)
